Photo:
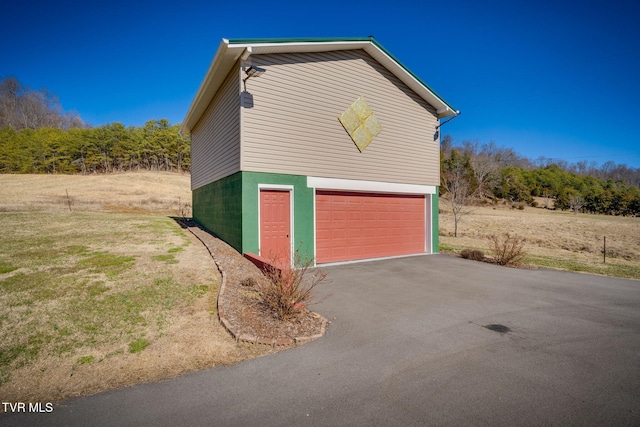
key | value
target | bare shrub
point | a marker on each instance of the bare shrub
(184, 209)
(472, 254)
(507, 249)
(289, 290)
(249, 282)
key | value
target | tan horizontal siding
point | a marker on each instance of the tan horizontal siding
(294, 128)
(215, 140)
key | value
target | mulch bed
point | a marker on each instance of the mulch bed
(240, 308)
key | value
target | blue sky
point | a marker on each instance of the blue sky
(548, 78)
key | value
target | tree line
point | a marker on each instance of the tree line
(109, 148)
(473, 171)
(37, 136)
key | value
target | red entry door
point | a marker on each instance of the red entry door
(275, 226)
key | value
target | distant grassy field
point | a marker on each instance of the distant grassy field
(554, 239)
(110, 293)
(142, 192)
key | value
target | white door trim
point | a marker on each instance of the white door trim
(278, 187)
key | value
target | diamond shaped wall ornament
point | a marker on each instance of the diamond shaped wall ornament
(360, 123)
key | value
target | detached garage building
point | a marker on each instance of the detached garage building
(324, 148)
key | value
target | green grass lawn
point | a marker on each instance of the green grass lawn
(88, 286)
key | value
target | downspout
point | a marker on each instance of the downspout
(435, 198)
(437, 134)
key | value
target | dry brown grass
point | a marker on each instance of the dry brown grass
(132, 192)
(554, 239)
(78, 288)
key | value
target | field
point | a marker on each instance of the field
(554, 239)
(102, 288)
(143, 192)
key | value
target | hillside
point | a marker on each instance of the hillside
(142, 192)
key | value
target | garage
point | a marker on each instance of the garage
(358, 225)
(350, 175)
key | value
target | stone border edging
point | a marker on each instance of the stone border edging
(220, 307)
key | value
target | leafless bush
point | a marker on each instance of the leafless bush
(289, 290)
(508, 249)
(249, 282)
(184, 209)
(472, 254)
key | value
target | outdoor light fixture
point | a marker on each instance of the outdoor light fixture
(245, 97)
(254, 71)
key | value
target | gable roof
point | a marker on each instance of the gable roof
(230, 50)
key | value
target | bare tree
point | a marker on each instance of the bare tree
(10, 92)
(24, 108)
(547, 198)
(446, 145)
(576, 202)
(456, 180)
(485, 168)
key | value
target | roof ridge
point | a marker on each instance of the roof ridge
(302, 40)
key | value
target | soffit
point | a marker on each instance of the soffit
(229, 51)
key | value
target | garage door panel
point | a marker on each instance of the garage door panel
(354, 226)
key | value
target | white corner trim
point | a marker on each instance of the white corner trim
(368, 186)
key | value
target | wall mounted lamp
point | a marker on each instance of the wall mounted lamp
(246, 99)
(253, 71)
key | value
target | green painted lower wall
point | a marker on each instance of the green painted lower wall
(229, 209)
(303, 215)
(218, 208)
(435, 224)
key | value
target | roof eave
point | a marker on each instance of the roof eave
(378, 52)
(220, 66)
(230, 50)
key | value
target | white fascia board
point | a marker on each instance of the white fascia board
(221, 64)
(368, 46)
(407, 78)
(320, 183)
(293, 47)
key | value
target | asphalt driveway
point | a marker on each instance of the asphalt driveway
(409, 345)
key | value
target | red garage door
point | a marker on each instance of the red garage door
(351, 226)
